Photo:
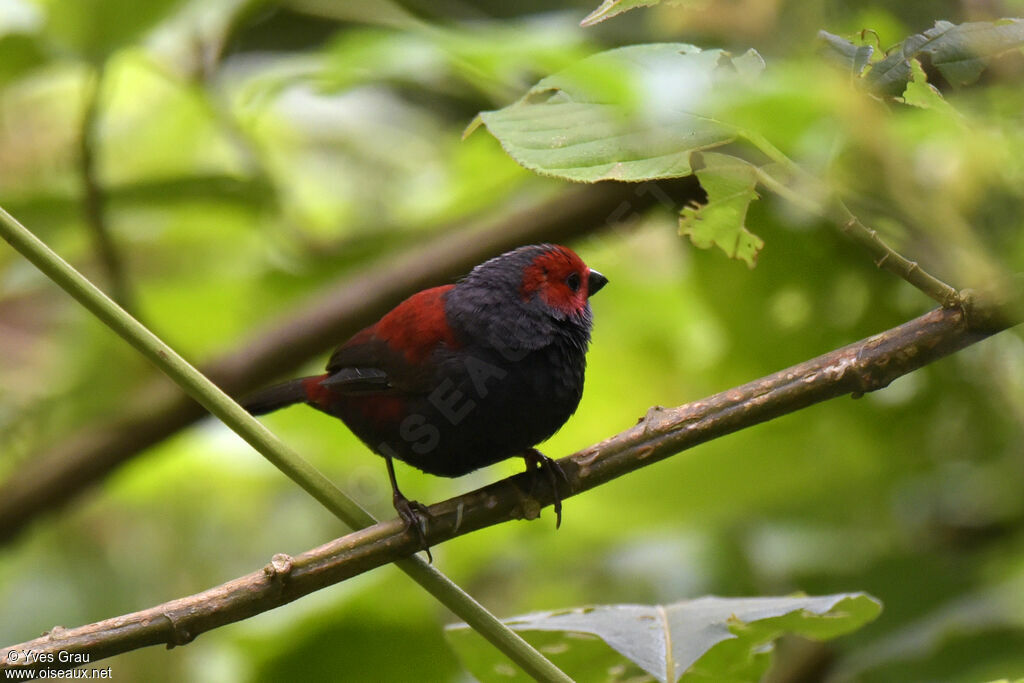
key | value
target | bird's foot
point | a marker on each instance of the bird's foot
(415, 515)
(534, 460)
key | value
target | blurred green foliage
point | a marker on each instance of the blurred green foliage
(252, 152)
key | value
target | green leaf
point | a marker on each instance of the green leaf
(20, 46)
(19, 53)
(498, 59)
(921, 93)
(611, 8)
(633, 113)
(844, 54)
(729, 183)
(959, 51)
(96, 28)
(709, 638)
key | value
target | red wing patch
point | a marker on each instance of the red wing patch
(417, 326)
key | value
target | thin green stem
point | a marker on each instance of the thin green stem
(833, 209)
(807, 204)
(267, 444)
(889, 259)
(770, 150)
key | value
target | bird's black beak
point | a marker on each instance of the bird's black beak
(595, 282)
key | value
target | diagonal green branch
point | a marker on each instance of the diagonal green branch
(867, 365)
(267, 444)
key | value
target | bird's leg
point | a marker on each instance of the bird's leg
(413, 513)
(553, 470)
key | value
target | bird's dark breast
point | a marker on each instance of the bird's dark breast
(494, 405)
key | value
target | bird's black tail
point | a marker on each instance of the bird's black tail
(276, 397)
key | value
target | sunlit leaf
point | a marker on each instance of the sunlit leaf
(959, 51)
(634, 113)
(709, 638)
(729, 183)
(921, 93)
(611, 8)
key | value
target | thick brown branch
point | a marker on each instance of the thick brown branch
(861, 367)
(52, 478)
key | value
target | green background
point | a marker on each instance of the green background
(253, 153)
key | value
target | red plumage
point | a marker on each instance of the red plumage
(416, 326)
(461, 376)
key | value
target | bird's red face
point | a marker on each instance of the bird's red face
(562, 280)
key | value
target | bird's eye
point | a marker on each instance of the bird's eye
(573, 281)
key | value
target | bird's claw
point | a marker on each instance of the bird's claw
(534, 460)
(415, 515)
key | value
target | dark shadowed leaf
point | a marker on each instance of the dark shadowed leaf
(634, 113)
(709, 638)
(959, 51)
(843, 53)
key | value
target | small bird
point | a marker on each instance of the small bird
(462, 376)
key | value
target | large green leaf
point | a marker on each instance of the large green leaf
(959, 51)
(730, 184)
(634, 113)
(709, 638)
